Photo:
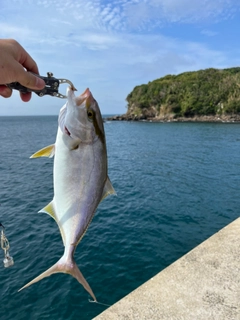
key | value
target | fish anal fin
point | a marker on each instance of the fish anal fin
(108, 189)
(48, 151)
(50, 210)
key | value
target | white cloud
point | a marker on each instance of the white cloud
(9, 30)
(122, 15)
(164, 11)
(96, 41)
(57, 21)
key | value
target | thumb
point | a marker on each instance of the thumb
(29, 80)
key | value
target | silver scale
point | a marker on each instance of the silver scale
(8, 260)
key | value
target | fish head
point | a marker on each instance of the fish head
(81, 119)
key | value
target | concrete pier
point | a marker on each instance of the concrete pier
(203, 284)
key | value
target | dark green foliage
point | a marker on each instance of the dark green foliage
(203, 92)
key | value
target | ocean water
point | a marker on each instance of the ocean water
(177, 184)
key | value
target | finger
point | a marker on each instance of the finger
(5, 91)
(25, 96)
(27, 61)
(30, 65)
(28, 80)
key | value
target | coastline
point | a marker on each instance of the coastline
(234, 118)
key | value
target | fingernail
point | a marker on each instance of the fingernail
(40, 83)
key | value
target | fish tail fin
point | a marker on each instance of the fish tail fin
(77, 274)
(54, 269)
(64, 266)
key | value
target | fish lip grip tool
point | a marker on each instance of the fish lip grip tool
(51, 86)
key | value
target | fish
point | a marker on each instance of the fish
(80, 177)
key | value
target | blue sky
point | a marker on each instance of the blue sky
(112, 46)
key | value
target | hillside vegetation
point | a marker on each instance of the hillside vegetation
(198, 93)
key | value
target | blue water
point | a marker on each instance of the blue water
(177, 184)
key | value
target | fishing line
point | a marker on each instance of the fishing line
(103, 304)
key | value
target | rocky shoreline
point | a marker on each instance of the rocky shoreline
(235, 118)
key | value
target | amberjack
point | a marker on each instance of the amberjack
(80, 177)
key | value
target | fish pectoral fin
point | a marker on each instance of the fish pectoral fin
(74, 145)
(48, 151)
(108, 189)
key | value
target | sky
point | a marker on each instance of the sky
(112, 46)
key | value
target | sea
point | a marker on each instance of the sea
(177, 184)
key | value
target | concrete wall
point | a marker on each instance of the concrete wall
(203, 284)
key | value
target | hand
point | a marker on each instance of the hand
(15, 64)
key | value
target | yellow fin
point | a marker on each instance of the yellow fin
(49, 209)
(48, 151)
(108, 189)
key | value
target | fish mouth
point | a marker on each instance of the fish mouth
(85, 96)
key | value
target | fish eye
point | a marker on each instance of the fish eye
(90, 115)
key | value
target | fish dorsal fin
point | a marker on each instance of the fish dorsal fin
(48, 151)
(108, 189)
(50, 210)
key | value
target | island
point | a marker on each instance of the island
(204, 95)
